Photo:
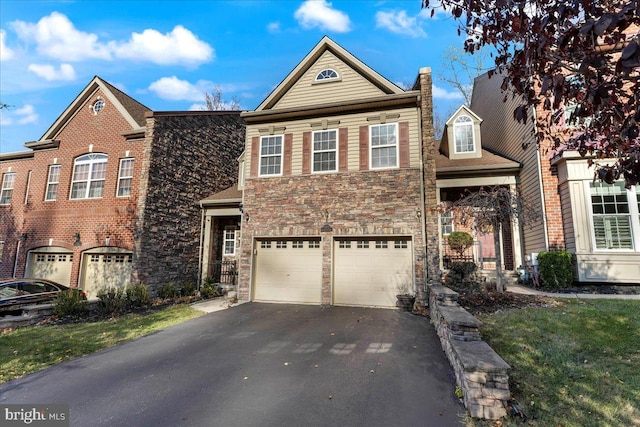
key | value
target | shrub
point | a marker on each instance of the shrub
(187, 289)
(112, 300)
(463, 270)
(138, 296)
(70, 303)
(556, 269)
(168, 290)
(209, 290)
(460, 241)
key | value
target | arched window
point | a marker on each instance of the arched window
(327, 74)
(463, 134)
(89, 172)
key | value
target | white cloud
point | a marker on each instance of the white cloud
(21, 116)
(56, 37)
(174, 89)
(5, 53)
(50, 73)
(180, 45)
(273, 27)
(320, 14)
(441, 93)
(399, 23)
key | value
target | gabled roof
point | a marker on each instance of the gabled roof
(467, 111)
(326, 44)
(131, 110)
(225, 197)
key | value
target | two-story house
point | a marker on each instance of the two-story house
(331, 192)
(596, 221)
(109, 194)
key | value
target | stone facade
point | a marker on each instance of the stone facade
(187, 156)
(352, 204)
(481, 374)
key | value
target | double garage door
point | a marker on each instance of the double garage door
(366, 271)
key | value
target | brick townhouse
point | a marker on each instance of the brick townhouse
(109, 194)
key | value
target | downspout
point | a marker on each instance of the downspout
(15, 264)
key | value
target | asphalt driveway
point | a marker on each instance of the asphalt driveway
(260, 365)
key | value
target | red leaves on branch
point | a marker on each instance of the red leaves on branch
(557, 53)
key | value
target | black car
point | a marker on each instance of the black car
(17, 293)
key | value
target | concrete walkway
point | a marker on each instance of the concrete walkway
(517, 289)
(211, 305)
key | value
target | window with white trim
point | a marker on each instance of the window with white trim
(614, 216)
(325, 151)
(463, 135)
(384, 146)
(271, 152)
(52, 183)
(446, 222)
(89, 172)
(327, 74)
(8, 181)
(229, 241)
(125, 178)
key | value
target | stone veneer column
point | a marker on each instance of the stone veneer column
(429, 152)
(325, 244)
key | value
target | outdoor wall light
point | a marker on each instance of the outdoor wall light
(246, 216)
(24, 236)
(418, 213)
(77, 241)
(107, 240)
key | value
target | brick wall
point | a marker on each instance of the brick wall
(352, 203)
(54, 223)
(188, 157)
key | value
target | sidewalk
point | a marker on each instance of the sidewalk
(517, 289)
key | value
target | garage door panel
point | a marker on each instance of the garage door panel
(51, 266)
(105, 270)
(288, 271)
(370, 273)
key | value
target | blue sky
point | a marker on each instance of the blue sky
(166, 54)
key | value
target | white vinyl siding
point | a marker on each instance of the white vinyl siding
(271, 151)
(8, 181)
(125, 177)
(384, 146)
(463, 134)
(614, 215)
(89, 172)
(325, 151)
(52, 183)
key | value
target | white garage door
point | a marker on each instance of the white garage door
(104, 270)
(288, 271)
(54, 266)
(370, 272)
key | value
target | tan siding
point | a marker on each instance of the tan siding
(351, 122)
(567, 217)
(505, 135)
(351, 85)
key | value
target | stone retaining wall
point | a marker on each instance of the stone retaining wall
(481, 373)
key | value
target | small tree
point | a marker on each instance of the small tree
(487, 209)
(460, 241)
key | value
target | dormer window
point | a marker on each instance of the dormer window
(326, 74)
(463, 134)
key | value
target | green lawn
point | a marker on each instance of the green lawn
(28, 349)
(573, 365)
